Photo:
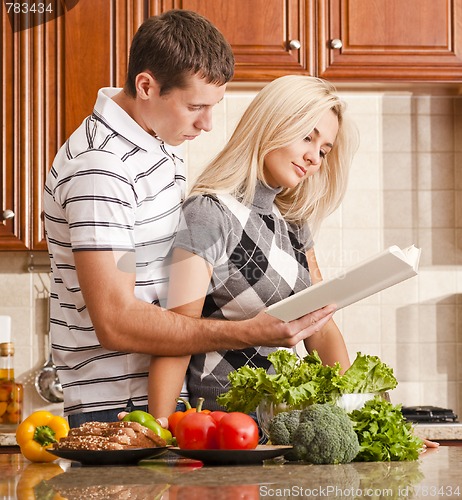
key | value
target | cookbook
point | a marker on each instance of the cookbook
(370, 276)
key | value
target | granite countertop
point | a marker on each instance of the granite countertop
(170, 477)
(8, 439)
(439, 432)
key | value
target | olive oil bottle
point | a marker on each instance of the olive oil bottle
(11, 393)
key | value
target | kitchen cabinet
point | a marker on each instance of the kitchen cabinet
(52, 68)
(269, 38)
(340, 40)
(390, 40)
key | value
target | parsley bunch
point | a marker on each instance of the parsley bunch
(383, 433)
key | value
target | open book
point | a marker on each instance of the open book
(381, 271)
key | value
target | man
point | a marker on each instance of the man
(112, 207)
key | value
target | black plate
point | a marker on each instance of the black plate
(110, 457)
(234, 457)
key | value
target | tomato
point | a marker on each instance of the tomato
(237, 431)
(197, 431)
(218, 415)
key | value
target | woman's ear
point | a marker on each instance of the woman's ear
(144, 82)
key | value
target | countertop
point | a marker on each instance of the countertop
(7, 439)
(439, 432)
(435, 474)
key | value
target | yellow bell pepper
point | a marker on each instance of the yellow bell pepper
(38, 432)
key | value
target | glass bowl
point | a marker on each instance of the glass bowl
(356, 401)
(266, 410)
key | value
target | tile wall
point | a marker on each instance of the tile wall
(405, 188)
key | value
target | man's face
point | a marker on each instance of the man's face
(181, 114)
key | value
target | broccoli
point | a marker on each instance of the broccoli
(325, 435)
(282, 427)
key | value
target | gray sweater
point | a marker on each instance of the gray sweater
(257, 259)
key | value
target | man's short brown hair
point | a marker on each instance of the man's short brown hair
(176, 44)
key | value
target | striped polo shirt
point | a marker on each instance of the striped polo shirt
(112, 186)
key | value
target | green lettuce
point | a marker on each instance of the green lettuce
(300, 382)
(368, 374)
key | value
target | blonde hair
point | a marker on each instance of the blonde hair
(284, 111)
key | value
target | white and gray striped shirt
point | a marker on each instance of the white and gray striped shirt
(112, 186)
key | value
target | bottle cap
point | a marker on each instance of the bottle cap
(6, 349)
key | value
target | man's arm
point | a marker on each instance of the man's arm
(124, 323)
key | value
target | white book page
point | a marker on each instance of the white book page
(381, 271)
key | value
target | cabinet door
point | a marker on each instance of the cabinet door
(51, 72)
(418, 40)
(264, 34)
(13, 194)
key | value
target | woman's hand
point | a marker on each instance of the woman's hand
(163, 421)
(430, 444)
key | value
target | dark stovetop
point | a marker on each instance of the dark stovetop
(429, 414)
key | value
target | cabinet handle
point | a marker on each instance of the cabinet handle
(7, 214)
(295, 44)
(336, 43)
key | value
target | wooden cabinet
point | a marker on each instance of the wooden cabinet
(270, 38)
(51, 71)
(52, 67)
(340, 40)
(390, 40)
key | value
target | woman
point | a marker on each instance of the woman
(246, 238)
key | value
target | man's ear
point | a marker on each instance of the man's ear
(144, 83)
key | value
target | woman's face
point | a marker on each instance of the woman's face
(288, 166)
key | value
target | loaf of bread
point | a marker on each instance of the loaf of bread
(118, 435)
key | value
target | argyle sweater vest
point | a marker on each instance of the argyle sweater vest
(258, 259)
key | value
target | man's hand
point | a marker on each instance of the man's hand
(268, 331)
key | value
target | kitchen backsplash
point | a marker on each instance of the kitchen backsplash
(405, 187)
